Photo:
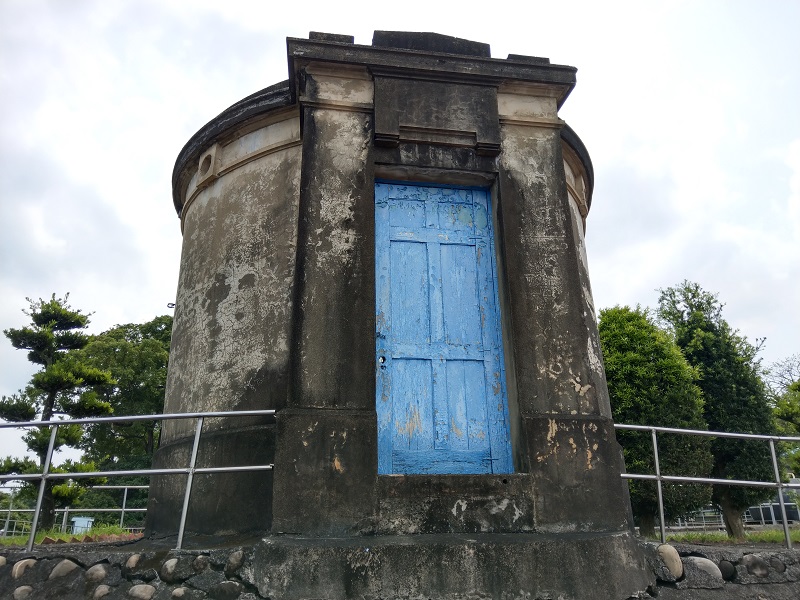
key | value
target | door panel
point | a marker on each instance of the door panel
(441, 397)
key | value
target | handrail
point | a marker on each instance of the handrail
(200, 417)
(190, 471)
(707, 433)
(659, 478)
(131, 418)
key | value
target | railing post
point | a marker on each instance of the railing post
(779, 481)
(45, 471)
(662, 526)
(8, 515)
(189, 479)
(64, 520)
(124, 503)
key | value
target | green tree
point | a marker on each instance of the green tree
(783, 373)
(736, 398)
(136, 355)
(787, 407)
(650, 383)
(784, 383)
(63, 387)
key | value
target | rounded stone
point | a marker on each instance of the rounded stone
(179, 592)
(727, 569)
(672, 559)
(142, 591)
(100, 591)
(167, 572)
(201, 563)
(62, 568)
(2, 561)
(23, 591)
(777, 565)
(705, 564)
(234, 562)
(19, 567)
(755, 565)
(132, 561)
(97, 572)
(227, 590)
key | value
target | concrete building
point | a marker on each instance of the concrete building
(388, 250)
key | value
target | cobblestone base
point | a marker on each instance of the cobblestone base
(132, 572)
(690, 572)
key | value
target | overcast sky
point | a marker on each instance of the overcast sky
(690, 111)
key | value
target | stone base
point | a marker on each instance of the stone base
(451, 566)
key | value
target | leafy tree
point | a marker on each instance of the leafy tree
(787, 407)
(736, 398)
(650, 383)
(784, 383)
(12, 500)
(783, 373)
(63, 386)
(137, 357)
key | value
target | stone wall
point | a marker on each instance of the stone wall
(250, 573)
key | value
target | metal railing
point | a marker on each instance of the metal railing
(189, 471)
(124, 499)
(66, 511)
(659, 478)
(200, 417)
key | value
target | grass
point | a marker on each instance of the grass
(764, 536)
(21, 540)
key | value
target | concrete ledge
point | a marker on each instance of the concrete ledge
(450, 566)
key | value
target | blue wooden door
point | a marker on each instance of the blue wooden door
(441, 393)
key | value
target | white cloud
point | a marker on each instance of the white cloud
(688, 109)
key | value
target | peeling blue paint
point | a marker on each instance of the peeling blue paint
(439, 354)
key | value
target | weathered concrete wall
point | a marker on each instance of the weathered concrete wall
(234, 305)
(276, 309)
(327, 435)
(230, 343)
(568, 437)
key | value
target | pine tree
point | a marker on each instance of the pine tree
(63, 386)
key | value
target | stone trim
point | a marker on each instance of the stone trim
(269, 99)
(223, 159)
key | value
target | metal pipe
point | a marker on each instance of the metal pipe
(121, 487)
(779, 481)
(42, 485)
(8, 514)
(189, 478)
(233, 469)
(131, 418)
(705, 432)
(124, 503)
(64, 517)
(86, 510)
(739, 482)
(662, 526)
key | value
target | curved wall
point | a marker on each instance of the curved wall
(276, 292)
(230, 341)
